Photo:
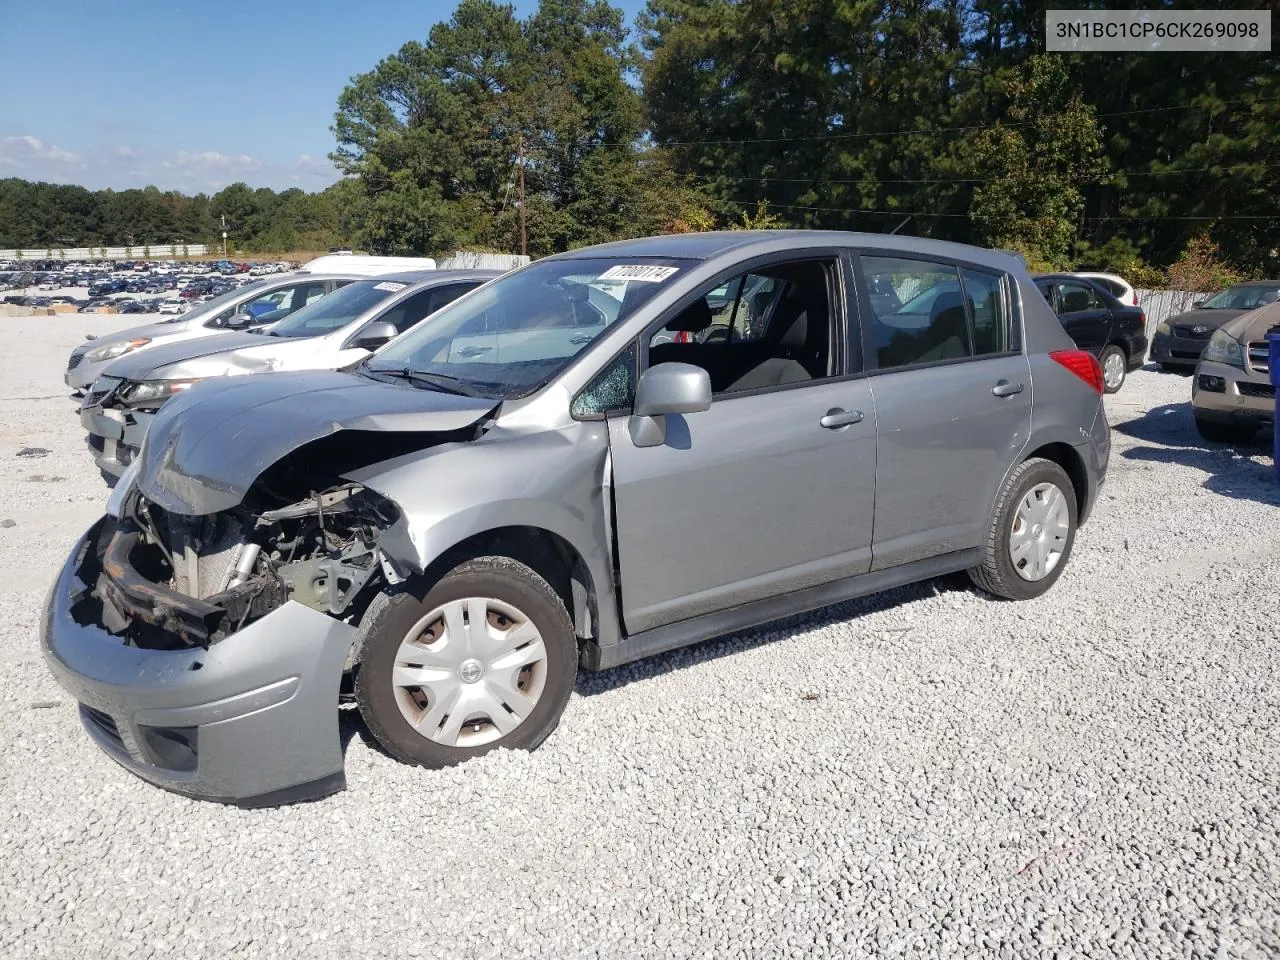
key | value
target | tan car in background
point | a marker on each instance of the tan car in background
(1232, 395)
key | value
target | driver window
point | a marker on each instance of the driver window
(763, 329)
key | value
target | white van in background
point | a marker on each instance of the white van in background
(366, 265)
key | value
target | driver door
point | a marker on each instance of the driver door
(753, 497)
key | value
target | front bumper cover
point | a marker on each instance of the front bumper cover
(251, 720)
(114, 436)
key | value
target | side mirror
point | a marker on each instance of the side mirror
(668, 388)
(375, 334)
(238, 321)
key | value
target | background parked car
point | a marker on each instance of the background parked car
(332, 332)
(1114, 332)
(1178, 341)
(1118, 287)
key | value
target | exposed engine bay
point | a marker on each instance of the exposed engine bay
(165, 580)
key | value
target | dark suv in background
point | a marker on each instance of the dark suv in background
(1179, 341)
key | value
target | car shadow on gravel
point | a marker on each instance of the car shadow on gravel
(1242, 471)
(713, 648)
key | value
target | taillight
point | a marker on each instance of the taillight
(1083, 364)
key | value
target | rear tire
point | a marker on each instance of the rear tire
(1224, 432)
(477, 692)
(1115, 365)
(1033, 528)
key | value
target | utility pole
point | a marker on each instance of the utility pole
(524, 237)
(224, 236)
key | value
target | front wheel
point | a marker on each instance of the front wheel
(1115, 364)
(1031, 534)
(1230, 433)
(486, 658)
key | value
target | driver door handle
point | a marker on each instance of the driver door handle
(836, 418)
(1004, 388)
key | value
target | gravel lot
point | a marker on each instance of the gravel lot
(925, 773)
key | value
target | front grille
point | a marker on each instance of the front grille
(1248, 389)
(101, 389)
(101, 722)
(1260, 356)
(1189, 333)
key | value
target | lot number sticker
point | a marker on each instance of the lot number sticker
(639, 272)
(389, 285)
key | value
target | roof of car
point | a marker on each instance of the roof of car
(417, 276)
(707, 246)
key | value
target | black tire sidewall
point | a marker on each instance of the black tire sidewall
(1045, 471)
(501, 579)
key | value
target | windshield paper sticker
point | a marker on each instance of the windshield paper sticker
(639, 273)
(389, 285)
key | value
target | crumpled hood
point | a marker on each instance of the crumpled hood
(1212, 319)
(144, 364)
(1254, 324)
(206, 447)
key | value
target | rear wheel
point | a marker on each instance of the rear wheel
(486, 658)
(1216, 432)
(1115, 363)
(1033, 528)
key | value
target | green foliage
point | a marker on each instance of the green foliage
(53, 216)
(1200, 267)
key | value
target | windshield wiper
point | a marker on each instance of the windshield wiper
(438, 381)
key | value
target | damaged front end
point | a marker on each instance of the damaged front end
(170, 580)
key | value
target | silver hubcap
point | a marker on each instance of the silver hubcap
(1039, 534)
(1113, 370)
(469, 672)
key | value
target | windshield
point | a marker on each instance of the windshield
(217, 303)
(337, 309)
(515, 333)
(1242, 298)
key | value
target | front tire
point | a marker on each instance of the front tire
(486, 658)
(1115, 364)
(1033, 528)
(1229, 433)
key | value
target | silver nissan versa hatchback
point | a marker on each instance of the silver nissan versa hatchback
(601, 456)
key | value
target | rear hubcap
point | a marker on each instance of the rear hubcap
(1113, 370)
(1038, 536)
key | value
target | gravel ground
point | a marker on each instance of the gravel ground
(925, 773)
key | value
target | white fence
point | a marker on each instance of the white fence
(153, 251)
(1160, 305)
(469, 260)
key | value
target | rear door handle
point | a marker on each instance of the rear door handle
(1004, 388)
(837, 418)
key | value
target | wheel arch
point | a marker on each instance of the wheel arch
(1069, 459)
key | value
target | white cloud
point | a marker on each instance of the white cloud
(33, 155)
(123, 165)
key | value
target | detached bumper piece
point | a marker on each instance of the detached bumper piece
(251, 719)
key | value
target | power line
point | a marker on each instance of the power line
(889, 134)
(977, 216)
(1110, 173)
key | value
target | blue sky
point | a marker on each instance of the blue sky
(190, 95)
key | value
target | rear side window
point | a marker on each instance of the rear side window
(985, 295)
(925, 311)
(1076, 297)
(917, 312)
